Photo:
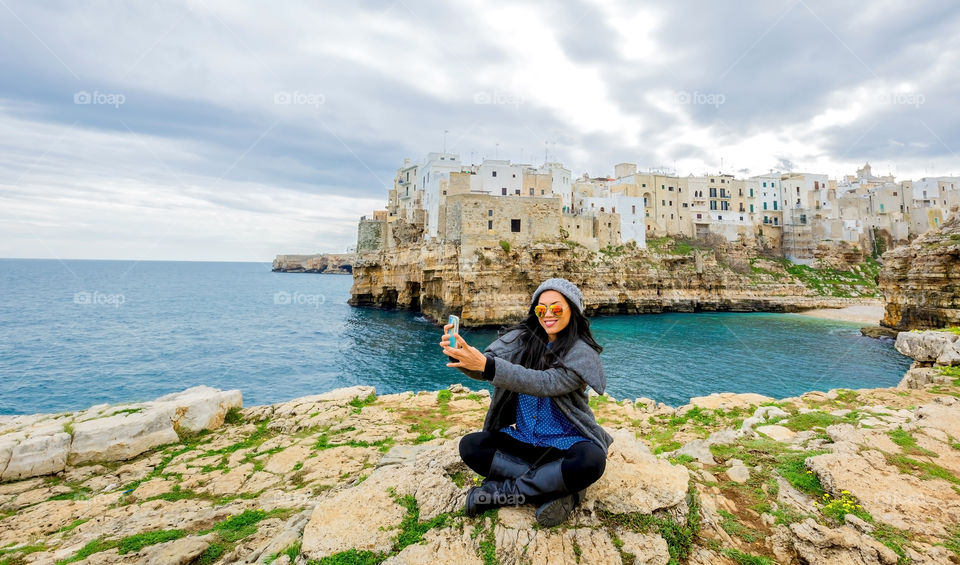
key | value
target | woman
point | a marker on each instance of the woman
(540, 442)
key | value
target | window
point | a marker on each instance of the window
(741, 218)
(684, 204)
(719, 217)
(774, 204)
(670, 189)
(633, 209)
(542, 192)
(663, 202)
(661, 186)
(894, 193)
(775, 221)
(699, 216)
(751, 193)
(504, 191)
(671, 216)
(444, 192)
(741, 192)
(751, 208)
(713, 204)
(531, 192)
(494, 173)
(724, 205)
(489, 224)
(489, 213)
(764, 185)
(671, 202)
(518, 192)
(713, 192)
(766, 219)
(644, 185)
(515, 226)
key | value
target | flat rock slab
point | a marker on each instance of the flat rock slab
(637, 481)
(903, 501)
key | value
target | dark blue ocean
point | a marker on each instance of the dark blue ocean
(78, 333)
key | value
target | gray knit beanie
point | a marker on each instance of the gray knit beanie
(564, 287)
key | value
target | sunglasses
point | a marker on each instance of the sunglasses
(540, 310)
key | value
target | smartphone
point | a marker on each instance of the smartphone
(455, 320)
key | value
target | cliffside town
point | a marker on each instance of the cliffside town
(475, 240)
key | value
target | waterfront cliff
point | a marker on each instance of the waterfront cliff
(862, 477)
(492, 285)
(325, 263)
(921, 281)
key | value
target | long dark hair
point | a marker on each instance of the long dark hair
(534, 339)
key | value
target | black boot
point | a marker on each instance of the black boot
(503, 466)
(535, 487)
(558, 510)
(506, 466)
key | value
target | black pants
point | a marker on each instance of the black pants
(583, 462)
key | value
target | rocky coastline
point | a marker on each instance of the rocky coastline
(323, 263)
(847, 476)
(493, 286)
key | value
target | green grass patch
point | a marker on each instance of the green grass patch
(237, 527)
(732, 526)
(358, 403)
(897, 540)
(139, 541)
(212, 554)
(94, 546)
(814, 420)
(908, 443)
(292, 551)
(233, 416)
(747, 558)
(923, 469)
(72, 525)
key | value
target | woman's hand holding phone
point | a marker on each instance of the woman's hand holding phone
(468, 357)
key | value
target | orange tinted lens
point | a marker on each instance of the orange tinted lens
(556, 310)
(540, 310)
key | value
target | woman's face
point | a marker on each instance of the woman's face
(550, 322)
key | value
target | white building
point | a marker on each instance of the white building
(435, 168)
(630, 209)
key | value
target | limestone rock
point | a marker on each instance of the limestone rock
(925, 347)
(819, 545)
(198, 408)
(425, 474)
(637, 481)
(648, 549)
(440, 546)
(919, 280)
(121, 437)
(920, 377)
(777, 433)
(34, 456)
(901, 500)
(942, 414)
(728, 400)
(738, 472)
(176, 552)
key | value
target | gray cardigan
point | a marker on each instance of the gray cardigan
(566, 386)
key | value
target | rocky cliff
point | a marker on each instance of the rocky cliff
(325, 263)
(921, 281)
(493, 286)
(858, 477)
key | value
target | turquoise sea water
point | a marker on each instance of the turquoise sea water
(78, 333)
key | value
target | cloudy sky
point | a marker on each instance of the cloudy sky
(235, 131)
